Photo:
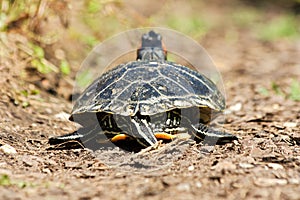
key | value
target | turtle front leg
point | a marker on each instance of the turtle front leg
(142, 131)
(210, 135)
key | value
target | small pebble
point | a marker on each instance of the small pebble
(62, 116)
(33, 125)
(191, 168)
(70, 164)
(198, 184)
(275, 166)
(30, 161)
(246, 165)
(290, 124)
(8, 149)
(294, 181)
(184, 187)
(48, 110)
(267, 182)
(207, 149)
(46, 170)
(225, 165)
(236, 107)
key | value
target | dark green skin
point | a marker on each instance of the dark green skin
(144, 97)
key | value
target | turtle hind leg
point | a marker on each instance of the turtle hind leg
(68, 141)
(210, 135)
(94, 138)
(91, 137)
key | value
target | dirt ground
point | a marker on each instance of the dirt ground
(263, 164)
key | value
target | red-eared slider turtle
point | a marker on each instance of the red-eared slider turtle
(147, 100)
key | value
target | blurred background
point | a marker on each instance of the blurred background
(44, 42)
(255, 45)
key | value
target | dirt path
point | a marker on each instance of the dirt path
(263, 164)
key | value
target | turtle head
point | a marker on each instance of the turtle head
(152, 47)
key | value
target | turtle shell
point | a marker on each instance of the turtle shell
(148, 88)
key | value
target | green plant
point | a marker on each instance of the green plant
(295, 90)
(65, 67)
(291, 92)
(38, 59)
(245, 17)
(15, 12)
(276, 88)
(284, 26)
(264, 91)
(42, 65)
(192, 25)
(84, 78)
(93, 6)
(5, 180)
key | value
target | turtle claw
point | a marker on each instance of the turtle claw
(211, 135)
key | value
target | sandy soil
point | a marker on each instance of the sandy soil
(263, 164)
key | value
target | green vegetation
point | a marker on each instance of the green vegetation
(24, 96)
(276, 88)
(93, 6)
(65, 67)
(192, 25)
(38, 60)
(84, 78)
(284, 26)
(17, 11)
(6, 181)
(264, 91)
(99, 19)
(25, 15)
(90, 40)
(246, 16)
(292, 91)
(295, 90)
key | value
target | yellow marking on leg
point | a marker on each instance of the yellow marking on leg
(119, 137)
(164, 136)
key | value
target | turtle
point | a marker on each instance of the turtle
(146, 100)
